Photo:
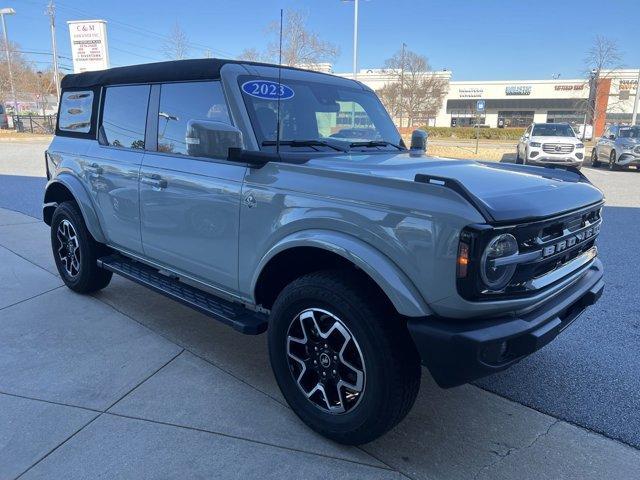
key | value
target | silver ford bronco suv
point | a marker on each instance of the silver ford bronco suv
(283, 200)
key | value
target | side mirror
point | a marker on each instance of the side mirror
(525, 136)
(612, 137)
(211, 139)
(419, 139)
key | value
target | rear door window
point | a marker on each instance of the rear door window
(124, 116)
(182, 103)
(76, 109)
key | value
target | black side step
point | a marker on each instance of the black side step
(233, 314)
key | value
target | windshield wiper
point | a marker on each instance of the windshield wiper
(375, 143)
(302, 143)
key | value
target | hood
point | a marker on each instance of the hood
(502, 192)
(549, 139)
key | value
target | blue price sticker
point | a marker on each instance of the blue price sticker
(267, 90)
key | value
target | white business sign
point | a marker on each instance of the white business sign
(89, 47)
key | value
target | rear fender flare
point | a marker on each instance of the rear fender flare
(82, 198)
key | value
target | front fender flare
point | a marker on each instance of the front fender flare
(83, 200)
(397, 286)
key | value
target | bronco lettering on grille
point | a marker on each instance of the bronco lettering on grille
(570, 241)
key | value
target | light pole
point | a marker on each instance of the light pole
(636, 102)
(51, 12)
(355, 36)
(3, 12)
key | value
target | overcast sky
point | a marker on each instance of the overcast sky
(476, 39)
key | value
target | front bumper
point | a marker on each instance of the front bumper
(629, 158)
(537, 156)
(458, 352)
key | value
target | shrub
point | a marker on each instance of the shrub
(470, 132)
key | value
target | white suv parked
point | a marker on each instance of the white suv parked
(550, 143)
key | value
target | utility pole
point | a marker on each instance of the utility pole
(51, 11)
(402, 61)
(3, 12)
(355, 39)
(637, 101)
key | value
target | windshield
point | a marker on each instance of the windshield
(633, 132)
(317, 116)
(553, 130)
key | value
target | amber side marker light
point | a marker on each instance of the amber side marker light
(463, 259)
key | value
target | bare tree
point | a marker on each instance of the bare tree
(26, 79)
(602, 59)
(251, 55)
(414, 92)
(176, 47)
(300, 46)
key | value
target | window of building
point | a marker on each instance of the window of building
(465, 118)
(75, 111)
(181, 103)
(515, 119)
(573, 117)
(124, 117)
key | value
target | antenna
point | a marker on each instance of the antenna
(279, 91)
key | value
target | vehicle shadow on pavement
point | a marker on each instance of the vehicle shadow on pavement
(23, 194)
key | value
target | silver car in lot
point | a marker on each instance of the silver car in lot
(619, 147)
(242, 191)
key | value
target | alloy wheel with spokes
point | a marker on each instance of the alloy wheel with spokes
(68, 248)
(75, 251)
(325, 360)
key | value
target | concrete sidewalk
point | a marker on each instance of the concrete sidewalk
(127, 384)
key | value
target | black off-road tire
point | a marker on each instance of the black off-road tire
(391, 362)
(88, 277)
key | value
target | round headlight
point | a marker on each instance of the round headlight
(497, 277)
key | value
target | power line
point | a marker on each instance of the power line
(34, 52)
(141, 30)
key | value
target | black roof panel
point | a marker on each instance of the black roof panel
(171, 71)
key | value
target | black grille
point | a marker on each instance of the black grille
(560, 239)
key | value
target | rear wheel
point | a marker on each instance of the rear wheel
(76, 252)
(344, 362)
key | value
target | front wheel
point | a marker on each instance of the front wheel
(518, 157)
(595, 163)
(612, 161)
(343, 360)
(76, 252)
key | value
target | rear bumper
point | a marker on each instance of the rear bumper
(458, 352)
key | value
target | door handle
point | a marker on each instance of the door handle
(94, 169)
(154, 182)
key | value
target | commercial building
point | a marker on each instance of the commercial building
(511, 103)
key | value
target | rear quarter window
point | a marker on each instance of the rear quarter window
(1, 109)
(76, 112)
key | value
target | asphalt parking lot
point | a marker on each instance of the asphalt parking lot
(127, 384)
